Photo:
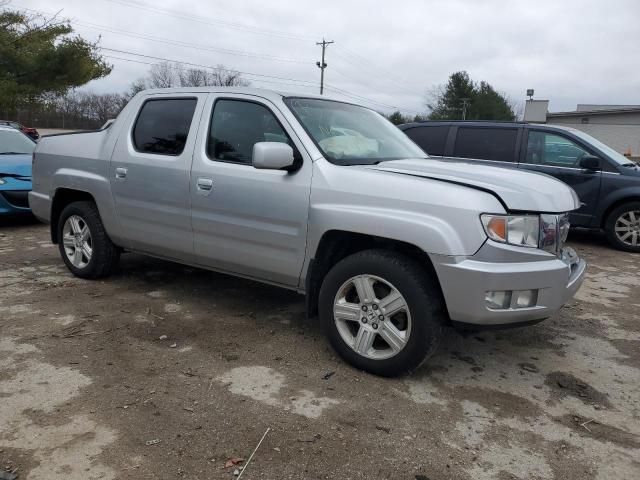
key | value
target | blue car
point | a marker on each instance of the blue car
(15, 171)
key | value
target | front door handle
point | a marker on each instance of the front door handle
(121, 172)
(204, 185)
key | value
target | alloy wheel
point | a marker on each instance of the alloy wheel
(627, 228)
(372, 317)
(76, 239)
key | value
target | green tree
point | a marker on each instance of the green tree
(40, 56)
(397, 118)
(480, 101)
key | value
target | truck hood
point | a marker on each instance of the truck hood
(516, 189)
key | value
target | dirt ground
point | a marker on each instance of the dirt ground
(164, 372)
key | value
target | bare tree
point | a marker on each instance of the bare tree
(162, 75)
(227, 78)
(166, 75)
(194, 77)
(135, 87)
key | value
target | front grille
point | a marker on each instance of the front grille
(17, 198)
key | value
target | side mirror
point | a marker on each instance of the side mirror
(590, 162)
(272, 156)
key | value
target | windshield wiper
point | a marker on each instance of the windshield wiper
(630, 164)
(14, 153)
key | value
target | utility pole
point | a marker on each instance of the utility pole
(322, 65)
(465, 103)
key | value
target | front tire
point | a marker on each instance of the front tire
(84, 245)
(382, 312)
(622, 227)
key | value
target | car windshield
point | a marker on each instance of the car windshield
(610, 152)
(352, 135)
(13, 142)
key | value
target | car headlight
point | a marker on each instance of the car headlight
(520, 230)
(2, 182)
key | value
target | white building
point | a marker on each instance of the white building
(615, 125)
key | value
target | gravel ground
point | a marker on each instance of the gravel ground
(163, 371)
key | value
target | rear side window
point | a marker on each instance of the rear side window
(431, 139)
(486, 143)
(163, 125)
(237, 125)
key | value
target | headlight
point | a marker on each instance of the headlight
(2, 182)
(521, 230)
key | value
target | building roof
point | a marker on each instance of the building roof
(596, 110)
(590, 107)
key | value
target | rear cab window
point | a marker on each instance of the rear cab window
(163, 124)
(432, 138)
(486, 143)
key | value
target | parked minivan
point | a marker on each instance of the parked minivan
(607, 182)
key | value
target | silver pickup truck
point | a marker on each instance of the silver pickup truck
(319, 196)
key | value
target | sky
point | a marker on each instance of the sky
(387, 55)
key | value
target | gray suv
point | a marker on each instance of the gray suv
(318, 196)
(607, 182)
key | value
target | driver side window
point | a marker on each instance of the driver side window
(553, 150)
(237, 125)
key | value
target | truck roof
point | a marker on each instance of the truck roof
(261, 92)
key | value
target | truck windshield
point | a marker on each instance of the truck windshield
(351, 135)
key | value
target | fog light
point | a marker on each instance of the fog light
(498, 300)
(525, 298)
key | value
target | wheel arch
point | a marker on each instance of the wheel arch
(634, 197)
(334, 245)
(61, 198)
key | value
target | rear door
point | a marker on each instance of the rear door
(490, 145)
(248, 221)
(430, 138)
(558, 155)
(150, 175)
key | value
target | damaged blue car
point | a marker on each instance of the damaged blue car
(16, 151)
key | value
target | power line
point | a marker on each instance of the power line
(365, 61)
(199, 65)
(347, 93)
(180, 43)
(209, 20)
(278, 82)
(301, 83)
(373, 68)
(250, 29)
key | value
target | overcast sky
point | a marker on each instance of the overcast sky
(391, 53)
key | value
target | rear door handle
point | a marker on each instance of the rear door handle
(204, 185)
(121, 172)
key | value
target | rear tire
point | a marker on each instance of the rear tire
(622, 227)
(84, 245)
(392, 329)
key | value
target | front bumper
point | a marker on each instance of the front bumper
(14, 202)
(465, 282)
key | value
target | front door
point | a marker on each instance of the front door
(248, 221)
(150, 176)
(559, 156)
